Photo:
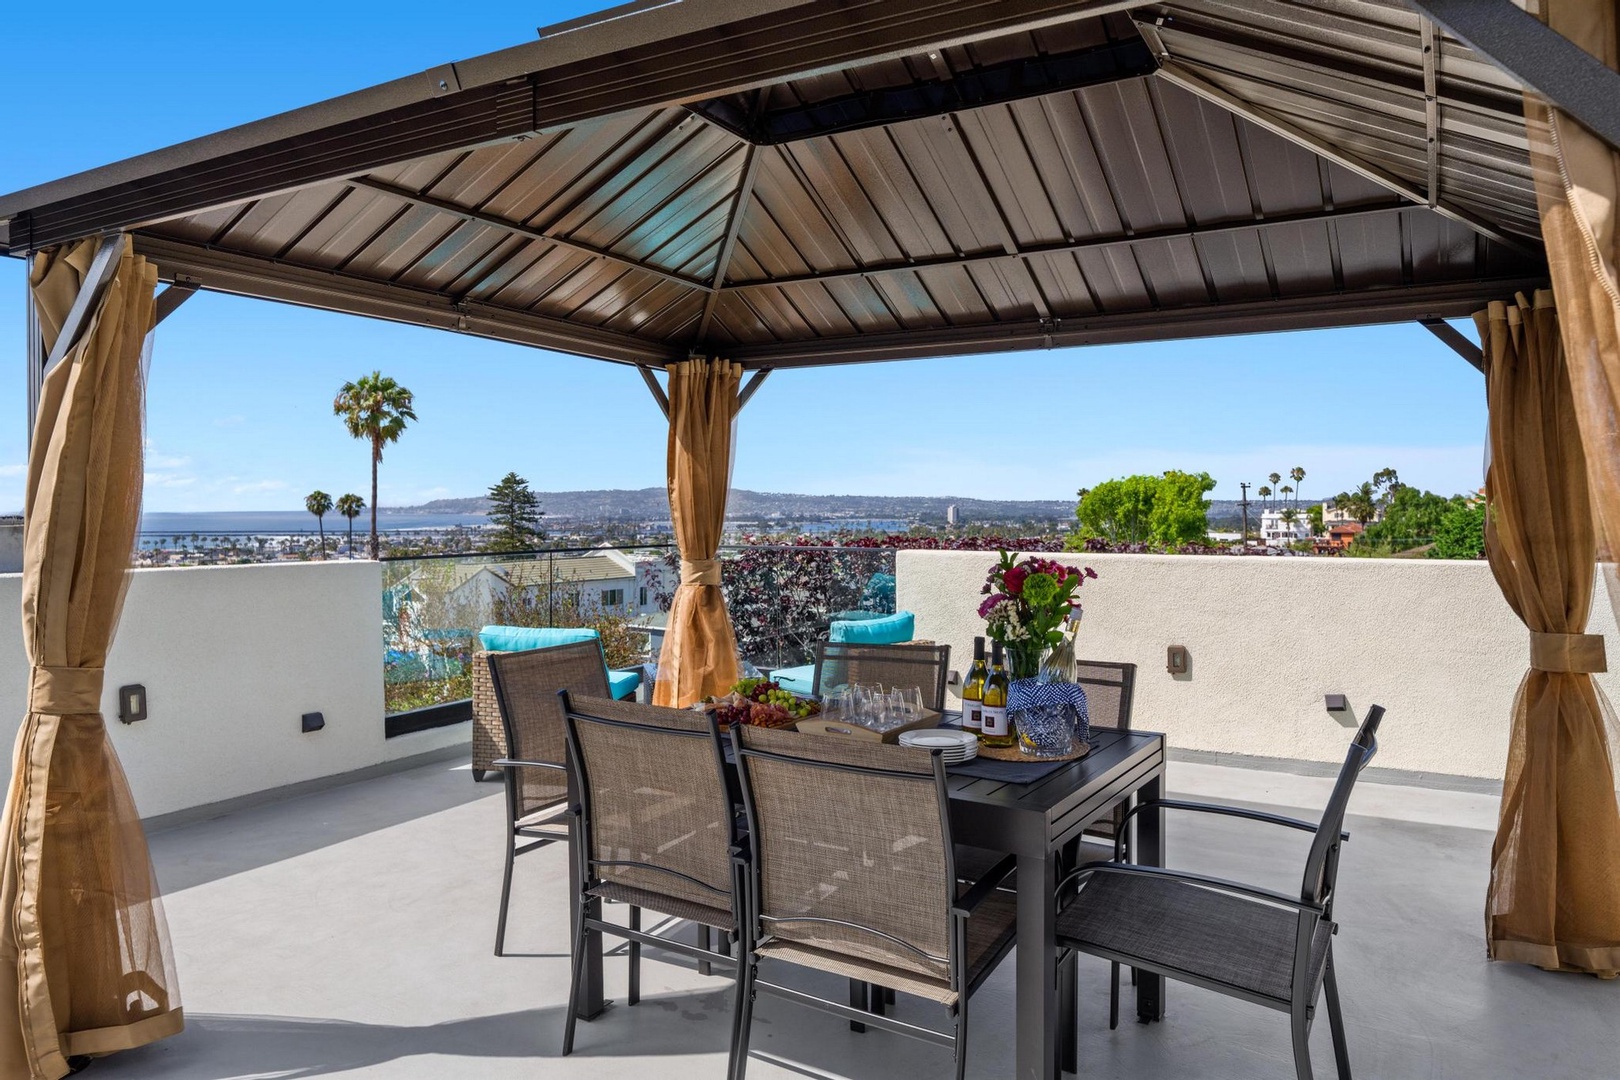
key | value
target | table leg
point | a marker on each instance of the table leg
(591, 1003)
(1149, 851)
(1036, 996)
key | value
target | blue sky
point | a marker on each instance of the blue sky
(239, 411)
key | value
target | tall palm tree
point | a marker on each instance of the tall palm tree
(319, 503)
(350, 506)
(1297, 475)
(377, 409)
(1285, 491)
(1265, 495)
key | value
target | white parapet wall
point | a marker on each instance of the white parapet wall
(1430, 640)
(231, 658)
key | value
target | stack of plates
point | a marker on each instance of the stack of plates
(954, 746)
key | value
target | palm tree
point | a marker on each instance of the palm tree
(350, 506)
(318, 503)
(1285, 491)
(1297, 475)
(1265, 495)
(376, 408)
(1275, 478)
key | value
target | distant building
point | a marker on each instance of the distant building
(606, 579)
(1338, 537)
(1276, 532)
(1332, 515)
(953, 515)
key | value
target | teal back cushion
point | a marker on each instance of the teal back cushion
(519, 638)
(857, 616)
(889, 630)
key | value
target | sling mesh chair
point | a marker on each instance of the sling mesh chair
(1245, 942)
(852, 875)
(903, 666)
(657, 829)
(526, 685)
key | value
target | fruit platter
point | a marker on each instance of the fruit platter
(760, 703)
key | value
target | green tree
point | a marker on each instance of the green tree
(1361, 503)
(1461, 532)
(516, 513)
(375, 408)
(350, 506)
(1168, 510)
(319, 503)
(1265, 495)
(1314, 513)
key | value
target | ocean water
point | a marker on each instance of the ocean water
(283, 522)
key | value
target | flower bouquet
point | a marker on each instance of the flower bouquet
(1031, 609)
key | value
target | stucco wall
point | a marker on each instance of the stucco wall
(231, 657)
(1430, 640)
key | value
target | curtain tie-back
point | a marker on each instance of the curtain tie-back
(1567, 652)
(700, 571)
(65, 691)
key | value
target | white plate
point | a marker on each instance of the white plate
(938, 738)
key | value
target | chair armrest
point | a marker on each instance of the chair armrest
(1252, 891)
(1227, 811)
(968, 901)
(513, 763)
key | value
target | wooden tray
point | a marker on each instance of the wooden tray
(817, 725)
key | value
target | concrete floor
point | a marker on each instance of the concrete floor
(349, 932)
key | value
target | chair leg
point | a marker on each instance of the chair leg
(576, 977)
(506, 894)
(961, 1036)
(1301, 1025)
(1341, 1048)
(888, 996)
(706, 943)
(634, 951)
(1113, 995)
(745, 1016)
(859, 998)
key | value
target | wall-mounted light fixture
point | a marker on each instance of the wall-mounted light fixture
(1176, 660)
(132, 703)
(313, 721)
(1337, 703)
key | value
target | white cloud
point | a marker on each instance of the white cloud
(13, 470)
(169, 480)
(161, 461)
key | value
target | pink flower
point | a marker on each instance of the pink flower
(990, 603)
(1013, 580)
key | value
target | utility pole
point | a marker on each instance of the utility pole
(1244, 503)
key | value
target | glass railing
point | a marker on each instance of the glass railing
(781, 598)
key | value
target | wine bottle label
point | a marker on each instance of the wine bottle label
(993, 720)
(971, 715)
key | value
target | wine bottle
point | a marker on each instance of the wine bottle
(994, 729)
(973, 689)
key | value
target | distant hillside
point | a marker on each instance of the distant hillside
(652, 504)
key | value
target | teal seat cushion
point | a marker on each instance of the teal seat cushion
(623, 684)
(796, 680)
(519, 638)
(889, 630)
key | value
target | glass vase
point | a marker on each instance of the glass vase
(1024, 660)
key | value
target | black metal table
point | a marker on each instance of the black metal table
(1034, 821)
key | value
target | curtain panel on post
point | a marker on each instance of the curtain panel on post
(83, 945)
(1577, 179)
(1554, 895)
(699, 658)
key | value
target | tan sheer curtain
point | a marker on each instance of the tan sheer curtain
(700, 650)
(1578, 187)
(84, 948)
(1554, 897)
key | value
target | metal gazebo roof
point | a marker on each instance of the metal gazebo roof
(792, 182)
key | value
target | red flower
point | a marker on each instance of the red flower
(1013, 579)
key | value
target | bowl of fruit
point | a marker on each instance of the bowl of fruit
(761, 703)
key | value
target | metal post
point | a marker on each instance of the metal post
(34, 354)
(1244, 504)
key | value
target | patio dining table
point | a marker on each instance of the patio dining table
(1035, 820)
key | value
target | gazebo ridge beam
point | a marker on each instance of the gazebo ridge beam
(662, 56)
(1536, 55)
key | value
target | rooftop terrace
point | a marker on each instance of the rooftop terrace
(348, 933)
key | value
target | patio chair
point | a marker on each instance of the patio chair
(658, 829)
(923, 666)
(525, 686)
(852, 875)
(1254, 944)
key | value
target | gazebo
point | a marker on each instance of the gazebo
(719, 189)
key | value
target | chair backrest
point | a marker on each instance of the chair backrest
(852, 847)
(1109, 687)
(656, 814)
(905, 666)
(1322, 865)
(526, 685)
